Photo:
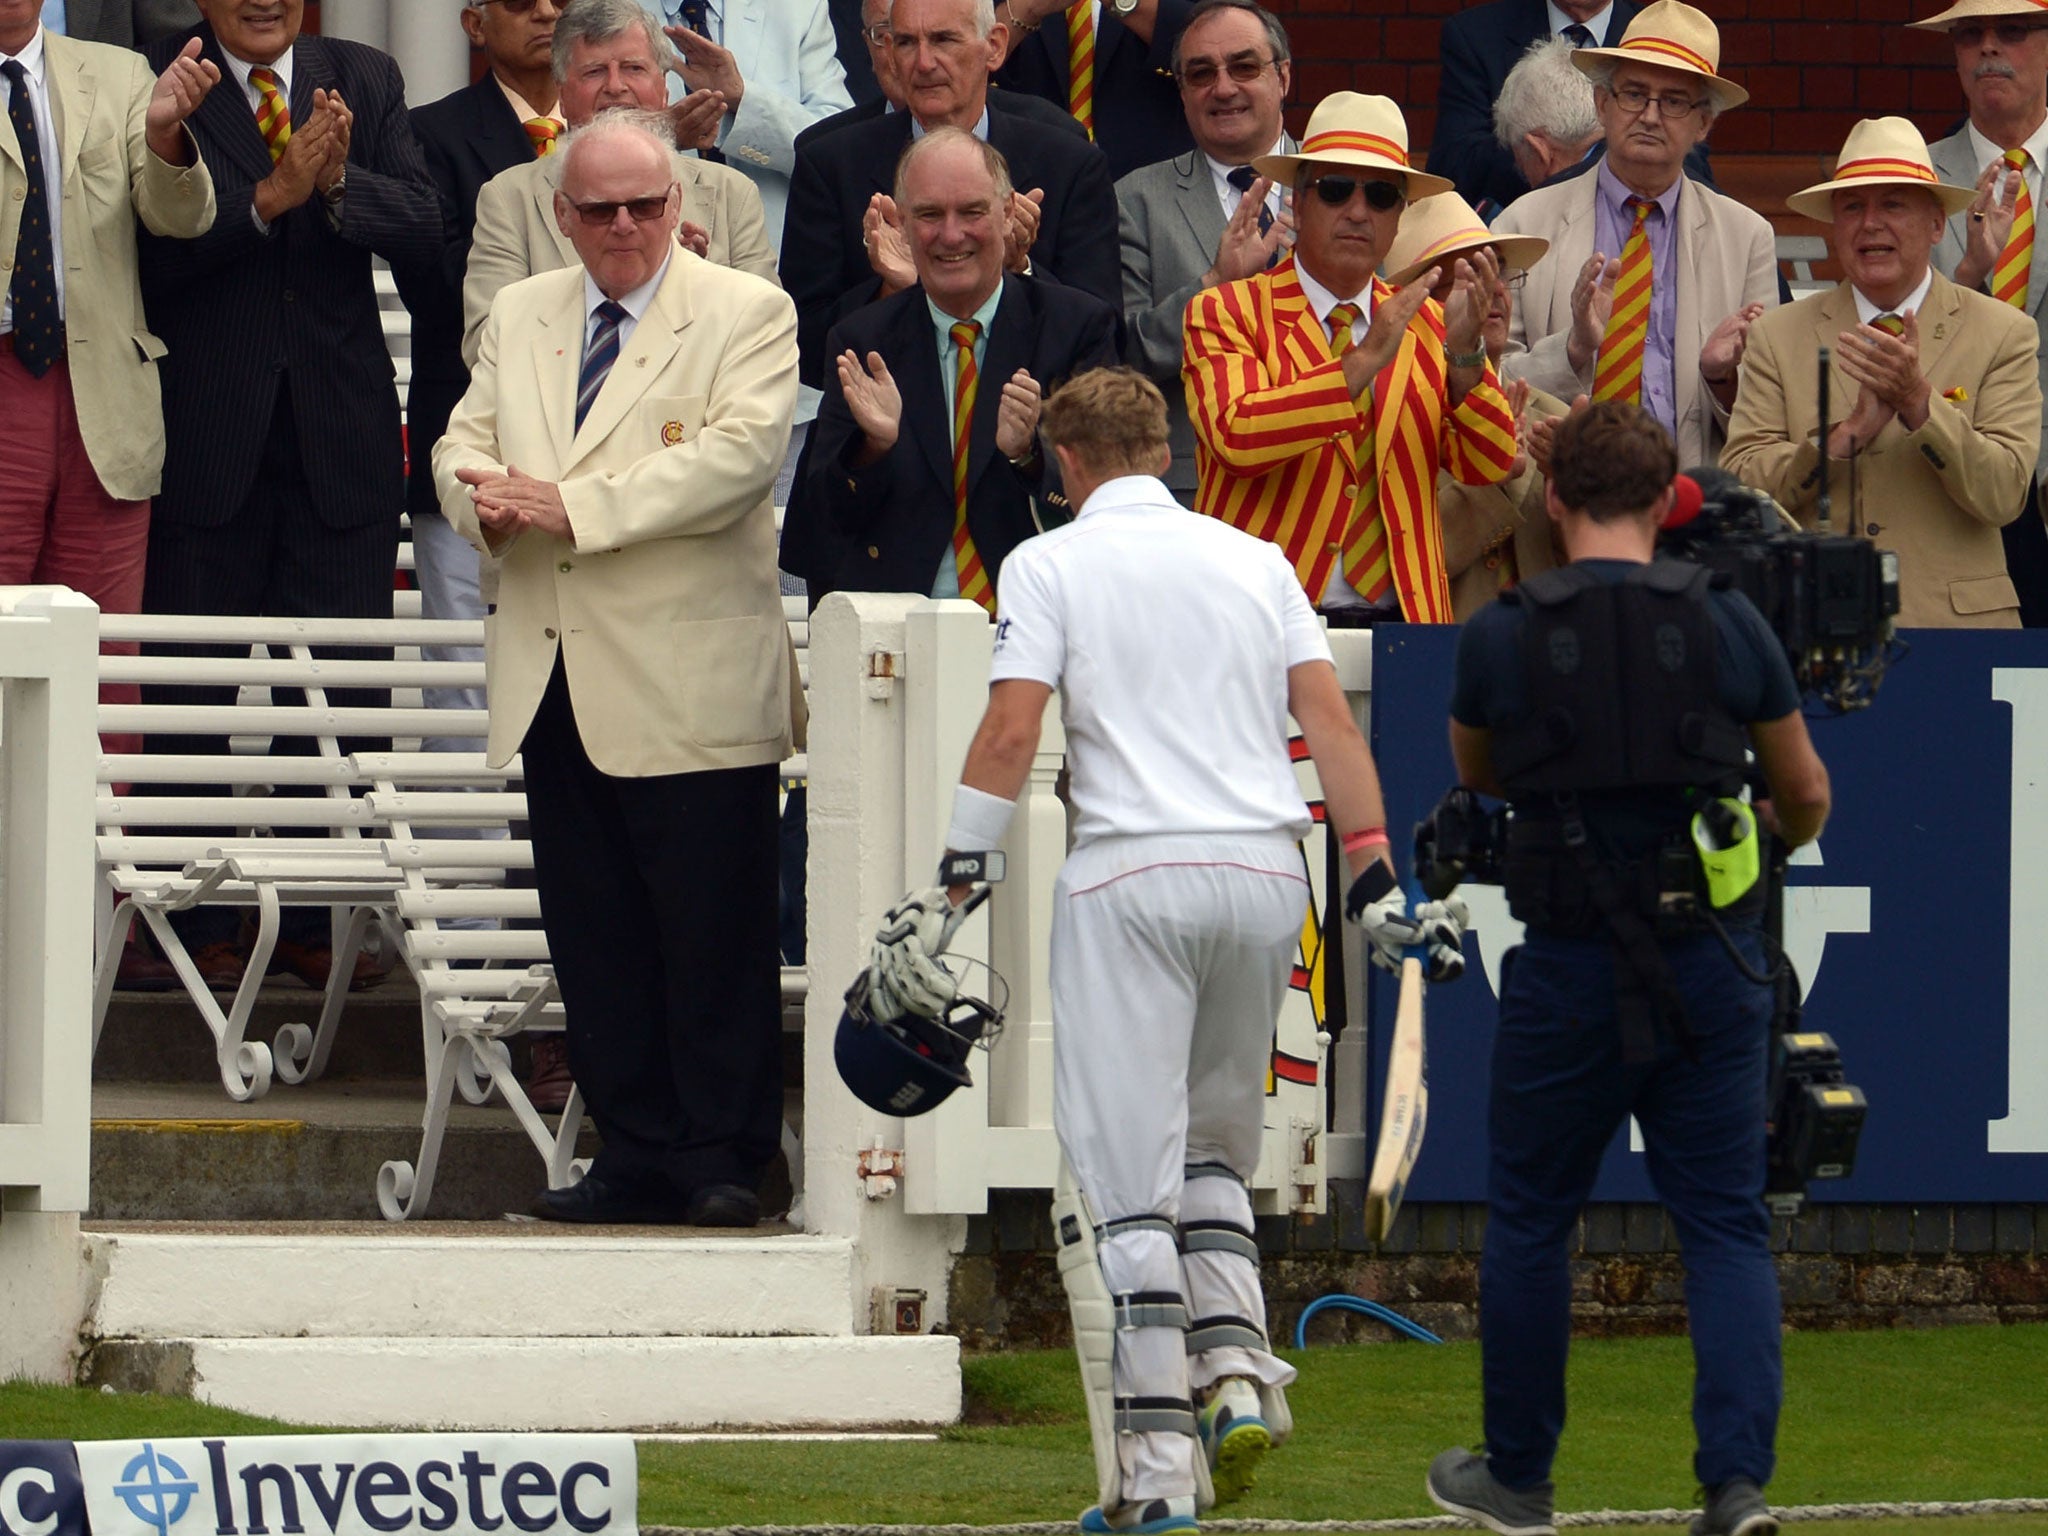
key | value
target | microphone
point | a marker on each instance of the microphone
(1685, 505)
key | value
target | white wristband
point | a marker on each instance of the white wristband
(979, 820)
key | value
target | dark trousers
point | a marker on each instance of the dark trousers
(659, 900)
(1558, 1094)
(274, 557)
(2026, 559)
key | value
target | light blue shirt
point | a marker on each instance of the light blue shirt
(917, 129)
(714, 18)
(1600, 25)
(1612, 221)
(947, 582)
(53, 15)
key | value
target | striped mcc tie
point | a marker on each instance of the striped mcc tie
(273, 112)
(974, 582)
(2015, 268)
(1891, 325)
(543, 132)
(1366, 563)
(598, 357)
(1081, 63)
(1618, 367)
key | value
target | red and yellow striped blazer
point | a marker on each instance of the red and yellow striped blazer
(1278, 434)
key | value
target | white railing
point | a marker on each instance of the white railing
(897, 688)
(49, 648)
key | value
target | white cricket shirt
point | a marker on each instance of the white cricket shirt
(1169, 636)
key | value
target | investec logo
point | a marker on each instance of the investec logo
(567, 1485)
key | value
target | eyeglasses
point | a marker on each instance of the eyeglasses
(2010, 34)
(1674, 106)
(645, 210)
(877, 35)
(1380, 196)
(1515, 280)
(512, 7)
(1203, 73)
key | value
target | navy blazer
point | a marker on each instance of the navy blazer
(1031, 108)
(466, 138)
(824, 259)
(1138, 114)
(884, 527)
(243, 311)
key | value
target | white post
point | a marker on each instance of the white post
(49, 678)
(364, 21)
(857, 869)
(431, 48)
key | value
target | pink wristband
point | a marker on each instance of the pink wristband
(1365, 839)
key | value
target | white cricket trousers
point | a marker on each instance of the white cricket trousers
(1170, 959)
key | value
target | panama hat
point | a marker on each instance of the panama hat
(1671, 35)
(1348, 128)
(1981, 10)
(1445, 225)
(1881, 152)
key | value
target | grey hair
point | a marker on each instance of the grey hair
(1546, 93)
(599, 21)
(984, 16)
(1276, 34)
(1601, 73)
(618, 123)
(991, 158)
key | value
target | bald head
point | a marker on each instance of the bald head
(619, 200)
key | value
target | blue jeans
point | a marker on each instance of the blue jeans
(1559, 1092)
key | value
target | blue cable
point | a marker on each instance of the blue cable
(1372, 1309)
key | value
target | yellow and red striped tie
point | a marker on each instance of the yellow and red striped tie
(1081, 63)
(2015, 267)
(1618, 368)
(543, 131)
(273, 113)
(974, 582)
(1891, 325)
(1366, 565)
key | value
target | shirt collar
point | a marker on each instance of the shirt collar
(917, 129)
(984, 316)
(1984, 151)
(1322, 300)
(281, 67)
(1867, 311)
(1598, 25)
(635, 303)
(525, 110)
(1617, 195)
(31, 56)
(1130, 491)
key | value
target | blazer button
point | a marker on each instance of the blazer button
(874, 553)
(289, 296)
(565, 566)
(1873, 529)
(549, 633)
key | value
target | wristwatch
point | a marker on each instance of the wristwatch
(1123, 7)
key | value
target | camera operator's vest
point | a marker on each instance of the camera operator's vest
(1623, 700)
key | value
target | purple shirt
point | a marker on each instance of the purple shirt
(1613, 218)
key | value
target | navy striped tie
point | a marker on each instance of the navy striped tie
(598, 357)
(38, 326)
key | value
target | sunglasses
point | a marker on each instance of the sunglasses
(1380, 196)
(2010, 34)
(645, 210)
(1203, 73)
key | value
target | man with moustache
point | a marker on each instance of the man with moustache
(1996, 245)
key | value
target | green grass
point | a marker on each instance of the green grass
(1952, 1414)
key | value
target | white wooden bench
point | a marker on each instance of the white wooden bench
(1797, 255)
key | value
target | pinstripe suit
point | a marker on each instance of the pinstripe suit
(1278, 434)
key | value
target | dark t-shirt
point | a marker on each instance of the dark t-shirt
(1491, 690)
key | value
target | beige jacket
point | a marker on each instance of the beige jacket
(517, 236)
(1497, 535)
(99, 96)
(665, 606)
(1939, 495)
(1727, 257)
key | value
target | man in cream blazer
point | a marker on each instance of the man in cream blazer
(1935, 395)
(639, 663)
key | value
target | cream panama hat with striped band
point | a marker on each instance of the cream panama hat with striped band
(1366, 133)
(1445, 226)
(1982, 10)
(1881, 152)
(1671, 35)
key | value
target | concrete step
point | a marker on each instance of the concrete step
(555, 1383)
(511, 1280)
(159, 1037)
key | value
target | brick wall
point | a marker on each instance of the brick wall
(1812, 67)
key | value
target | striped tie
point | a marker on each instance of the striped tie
(974, 583)
(1618, 369)
(38, 333)
(1081, 63)
(1891, 325)
(1366, 565)
(273, 113)
(2015, 267)
(598, 358)
(543, 131)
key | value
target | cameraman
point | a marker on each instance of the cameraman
(1608, 701)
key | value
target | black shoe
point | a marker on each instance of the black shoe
(722, 1205)
(601, 1202)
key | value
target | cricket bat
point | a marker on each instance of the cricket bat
(1405, 1110)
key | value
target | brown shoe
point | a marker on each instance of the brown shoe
(548, 1080)
(221, 964)
(312, 964)
(141, 970)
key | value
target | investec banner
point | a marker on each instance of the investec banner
(359, 1485)
(1919, 923)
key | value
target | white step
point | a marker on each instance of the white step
(386, 1285)
(585, 1384)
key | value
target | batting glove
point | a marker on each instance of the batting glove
(904, 958)
(1377, 904)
